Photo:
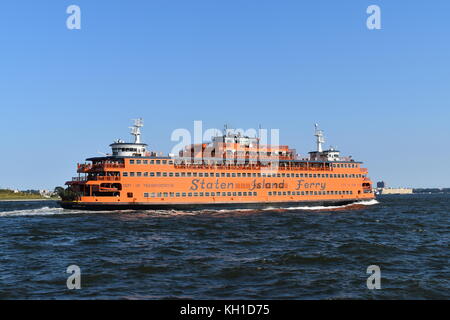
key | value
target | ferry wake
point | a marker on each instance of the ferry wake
(231, 171)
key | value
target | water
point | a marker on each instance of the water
(296, 253)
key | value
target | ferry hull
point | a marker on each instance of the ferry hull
(104, 206)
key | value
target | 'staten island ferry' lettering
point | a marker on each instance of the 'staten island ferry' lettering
(232, 170)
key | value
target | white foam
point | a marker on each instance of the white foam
(364, 203)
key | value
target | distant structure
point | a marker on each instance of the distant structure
(383, 189)
(381, 184)
(396, 191)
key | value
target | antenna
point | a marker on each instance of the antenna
(320, 138)
(136, 129)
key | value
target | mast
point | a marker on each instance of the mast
(136, 129)
(319, 138)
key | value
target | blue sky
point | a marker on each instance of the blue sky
(381, 96)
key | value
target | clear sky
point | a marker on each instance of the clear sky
(381, 96)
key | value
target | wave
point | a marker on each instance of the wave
(48, 211)
(359, 203)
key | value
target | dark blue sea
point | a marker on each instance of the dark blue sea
(294, 253)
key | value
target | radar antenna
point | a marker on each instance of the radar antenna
(136, 129)
(320, 138)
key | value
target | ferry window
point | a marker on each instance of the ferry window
(240, 194)
(217, 174)
(201, 194)
(130, 194)
(145, 174)
(307, 192)
(222, 174)
(259, 174)
(145, 161)
(229, 193)
(131, 174)
(213, 194)
(301, 175)
(303, 193)
(171, 194)
(183, 194)
(245, 194)
(139, 174)
(314, 175)
(297, 175)
(233, 174)
(238, 174)
(183, 174)
(158, 161)
(190, 194)
(152, 174)
(255, 194)
(158, 174)
(195, 194)
(170, 162)
(270, 193)
(131, 161)
(177, 174)
(289, 193)
(206, 194)
(138, 161)
(146, 195)
(152, 194)
(164, 174)
(152, 161)
(125, 174)
(164, 162)
(177, 194)
(194, 174)
(170, 174)
(200, 174)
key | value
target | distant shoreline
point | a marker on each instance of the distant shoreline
(15, 200)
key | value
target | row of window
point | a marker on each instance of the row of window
(336, 165)
(198, 194)
(151, 161)
(303, 193)
(240, 194)
(243, 175)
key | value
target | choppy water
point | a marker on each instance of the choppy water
(295, 253)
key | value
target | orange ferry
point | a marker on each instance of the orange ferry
(232, 171)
